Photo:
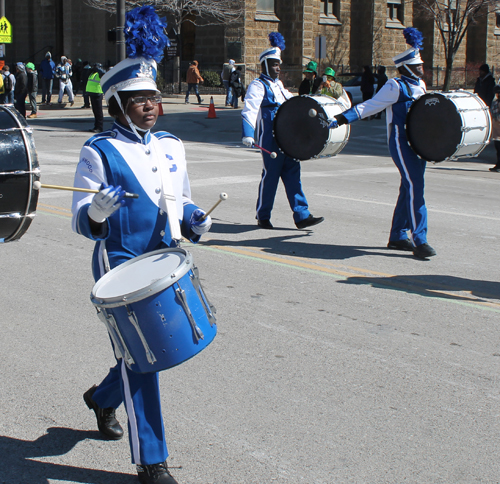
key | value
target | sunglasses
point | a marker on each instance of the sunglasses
(142, 100)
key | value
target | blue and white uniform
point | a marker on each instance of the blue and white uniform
(116, 157)
(263, 98)
(396, 97)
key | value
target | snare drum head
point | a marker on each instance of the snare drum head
(297, 134)
(141, 277)
(434, 127)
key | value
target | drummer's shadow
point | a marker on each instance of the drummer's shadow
(273, 243)
(20, 464)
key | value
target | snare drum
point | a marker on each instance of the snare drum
(302, 136)
(448, 125)
(18, 170)
(155, 310)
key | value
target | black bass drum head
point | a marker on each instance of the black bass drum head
(297, 134)
(434, 127)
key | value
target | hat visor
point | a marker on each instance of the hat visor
(146, 84)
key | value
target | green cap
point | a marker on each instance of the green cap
(329, 72)
(30, 65)
(311, 67)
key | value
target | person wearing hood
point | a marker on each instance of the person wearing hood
(47, 72)
(64, 72)
(485, 85)
(193, 78)
(21, 88)
(32, 88)
(311, 82)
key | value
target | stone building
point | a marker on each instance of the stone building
(355, 33)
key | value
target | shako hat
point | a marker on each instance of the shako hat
(411, 56)
(274, 52)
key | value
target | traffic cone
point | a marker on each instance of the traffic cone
(160, 111)
(211, 109)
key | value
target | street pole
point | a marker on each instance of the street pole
(121, 52)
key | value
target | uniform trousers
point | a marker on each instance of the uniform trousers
(410, 213)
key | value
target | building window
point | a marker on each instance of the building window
(497, 23)
(395, 14)
(265, 11)
(330, 12)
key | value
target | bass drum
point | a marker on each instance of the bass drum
(301, 127)
(448, 125)
(18, 170)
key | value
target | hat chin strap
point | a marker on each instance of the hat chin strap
(132, 126)
(412, 74)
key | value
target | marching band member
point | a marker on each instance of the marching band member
(263, 98)
(396, 96)
(154, 166)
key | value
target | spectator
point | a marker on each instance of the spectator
(311, 82)
(495, 130)
(9, 85)
(485, 85)
(381, 80)
(64, 73)
(84, 78)
(367, 82)
(329, 86)
(225, 75)
(193, 78)
(95, 93)
(21, 88)
(47, 72)
(236, 85)
(32, 88)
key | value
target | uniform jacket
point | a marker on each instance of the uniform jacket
(116, 157)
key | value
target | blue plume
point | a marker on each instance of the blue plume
(413, 37)
(145, 33)
(277, 40)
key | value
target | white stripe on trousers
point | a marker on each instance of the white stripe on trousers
(129, 405)
(412, 197)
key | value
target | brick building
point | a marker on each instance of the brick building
(357, 33)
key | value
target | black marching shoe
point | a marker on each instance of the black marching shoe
(423, 251)
(155, 474)
(400, 245)
(309, 222)
(106, 420)
(265, 224)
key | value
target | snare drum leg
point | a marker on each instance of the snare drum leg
(181, 294)
(133, 320)
(209, 308)
(116, 337)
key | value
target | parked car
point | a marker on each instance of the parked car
(351, 82)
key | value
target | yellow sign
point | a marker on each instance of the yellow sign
(5, 31)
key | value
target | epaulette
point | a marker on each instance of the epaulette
(99, 136)
(165, 134)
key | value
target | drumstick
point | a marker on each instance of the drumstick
(272, 153)
(223, 196)
(37, 185)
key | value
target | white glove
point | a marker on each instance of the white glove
(247, 141)
(106, 203)
(198, 227)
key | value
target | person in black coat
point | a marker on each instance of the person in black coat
(311, 82)
(21, 88)
(236, 85)
(381, 80)
(32, 88)
(485, 85)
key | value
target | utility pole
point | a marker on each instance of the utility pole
(121, 52)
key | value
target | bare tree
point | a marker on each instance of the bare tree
(453, 19)
(198, 12)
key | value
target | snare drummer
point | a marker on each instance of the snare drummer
(396, 96)
(263, 98)
(154, 166)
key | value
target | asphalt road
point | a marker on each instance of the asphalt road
(336, 360)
